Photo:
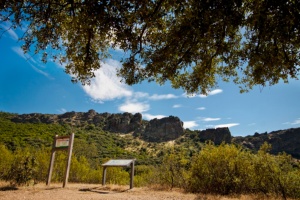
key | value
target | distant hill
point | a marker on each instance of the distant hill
(281, 140)
(124, 135)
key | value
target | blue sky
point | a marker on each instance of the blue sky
(29, 86)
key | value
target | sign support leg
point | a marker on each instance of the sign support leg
(104, 176)
(69, 160)
(131, 175)
(50, 167)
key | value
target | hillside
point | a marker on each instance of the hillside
(104, 135)
(167, 155)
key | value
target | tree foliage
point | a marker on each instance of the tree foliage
(192, 43)
(229, 169)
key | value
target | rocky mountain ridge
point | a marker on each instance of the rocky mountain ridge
(156, 130)
(167, 129)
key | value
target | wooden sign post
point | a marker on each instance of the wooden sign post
(61, 143)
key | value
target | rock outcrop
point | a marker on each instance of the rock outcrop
(282, 141)
(121, 123)
(217, 136)
(165, 129)
(124, 123)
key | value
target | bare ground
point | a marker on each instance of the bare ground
(95, 192)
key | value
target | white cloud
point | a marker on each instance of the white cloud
(40, 71)
(297, 121)
(209, 119)
(60, 65)
(20, 52)
(11, 32)
(189, 95)
(30, 61)
(149, 116)
(140, 95)
(190, 124)
(106, 85)
(134, 107)
(62, 110)
(201, 108)
(227, 125)
(213, 92)
(162, 96)
(177, 106)
(155, 97)
(13, 35)
(216, 91)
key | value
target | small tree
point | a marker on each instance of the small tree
(173, 170)
(6, 160)
(222, 169)
(23, 168)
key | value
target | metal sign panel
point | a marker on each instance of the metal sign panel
(118, 163)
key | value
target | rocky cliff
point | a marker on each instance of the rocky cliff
(282, 141)
(121, 123)
(157, 130)
(166, 129)
(217, 136)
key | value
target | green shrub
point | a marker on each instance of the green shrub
(81, 171)
(220, 170)
(229, 169)
(42, 159)
(117, 175)
(145, 175)
(174, 169)
(275, 174)
(6, 160)
(23, 168)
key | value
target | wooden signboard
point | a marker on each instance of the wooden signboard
(61, 143)
(119, 163)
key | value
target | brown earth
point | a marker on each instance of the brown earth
(98, 192)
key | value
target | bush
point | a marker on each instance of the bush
(145, 175)
(174, 169)
(220, 170)
(42, 158)
(229, 169)
(275, 174)
(6, 160)
(117, 175)
(23, 168)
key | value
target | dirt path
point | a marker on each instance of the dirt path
(86, 192)
(98, 192)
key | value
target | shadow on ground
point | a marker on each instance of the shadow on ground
(8, 188)
(102, 190)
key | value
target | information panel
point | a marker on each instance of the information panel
(62, 142)
(118, 163)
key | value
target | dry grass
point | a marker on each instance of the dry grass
(75, 191)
